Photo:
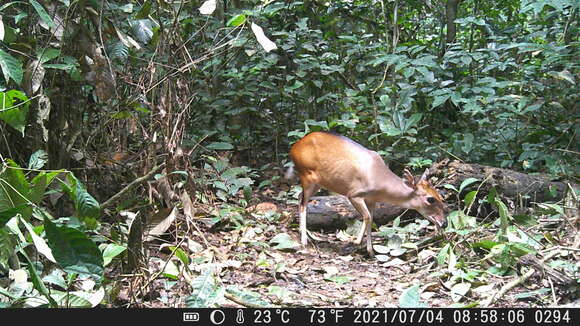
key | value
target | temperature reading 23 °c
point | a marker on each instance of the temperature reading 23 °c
(266, 316)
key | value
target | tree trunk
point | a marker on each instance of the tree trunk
(451, 13)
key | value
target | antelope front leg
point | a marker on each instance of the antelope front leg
(360, 205)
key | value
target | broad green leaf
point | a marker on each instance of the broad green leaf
(563, 75)
(469, 198)
(232, 173)
(144, 11)
(440, 100)
(170, 270)
(39, 184)
(525, 219)
(451, 187)
(339, 279)
(466, 183)
(459, 290)
(236, 20)
(14, 189)
(205, 291)
(111, 251)
(248, 296)
(85, 204)
(411, 298)
(14, 107)
(48, 55)
(56, 277)
(443, 254)
(504, 216)
(37, 281)
(220, 146)
(142, 29)
(39, 242)
(8, 214)
(38, 159)
(555, 207)
(94, 298)
(484, 244)
(180, 254)
(59, 66)
(11, 68)
(413, 120)
(533, 294)
(73, 250)
(42, 13)
(284, 241)
(70, 300)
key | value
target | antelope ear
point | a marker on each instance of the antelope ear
(425, 175)
(409, 179)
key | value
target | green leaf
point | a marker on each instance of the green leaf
(284, 241)
(14, 109)
(48, 55)
(459, 290)
(39, 242)
(85, 204)
(39, 184)
(533, 294)
(469, 198)
(220, 146)
(247, 296)
(14, 189)
(339, 279)
(466, 183)
(236, 20)
(59, 66)
(563, 75)
(443, 254)
(111, 251)
(37, 281)
(410, 298)
(440, 100)
(144, 11)
(42, 13)
(179, 253)
(11, 68)
(142, 29)
(205, 291)
(450, 187)
(38, 159)
(8, 214)
(73, 250)
(484, 244)
(413, 120)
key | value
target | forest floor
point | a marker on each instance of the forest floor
(335, 273)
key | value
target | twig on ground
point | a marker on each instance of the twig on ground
(144, 178)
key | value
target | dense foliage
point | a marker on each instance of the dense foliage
(111, 90)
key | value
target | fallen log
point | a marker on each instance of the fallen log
(336, 211)
(510, 184)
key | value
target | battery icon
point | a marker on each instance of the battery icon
(190, 316)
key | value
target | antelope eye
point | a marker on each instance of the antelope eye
(431, 200)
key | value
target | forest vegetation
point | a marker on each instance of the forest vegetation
(144, 143)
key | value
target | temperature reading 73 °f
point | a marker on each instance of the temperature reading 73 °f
(319, 316)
